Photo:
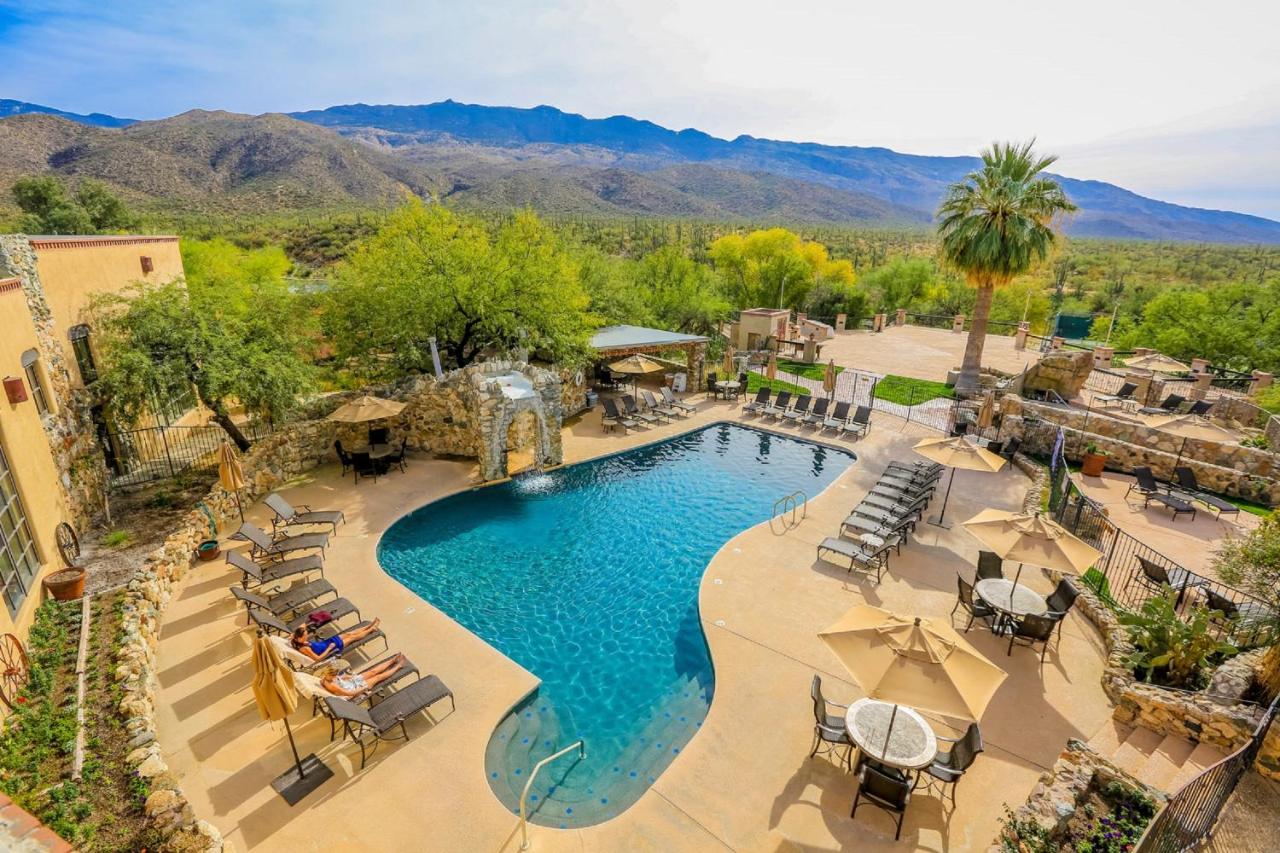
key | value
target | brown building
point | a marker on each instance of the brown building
(51, 462)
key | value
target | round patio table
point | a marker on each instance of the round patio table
(1010, 600)
(729, 386)
(912, 744)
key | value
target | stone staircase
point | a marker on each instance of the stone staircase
(1164, 762)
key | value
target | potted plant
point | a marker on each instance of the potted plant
(67, 584)
(1094, 460)
(208, 549)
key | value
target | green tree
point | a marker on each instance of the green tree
(1251, 563)
(48, 209)
(682, 294)
(106, 211)
(614, 296)
(774, 267)
(994, 225)
(429, 272)
(901, 283)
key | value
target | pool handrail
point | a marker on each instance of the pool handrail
(790, 504)
(581, 746)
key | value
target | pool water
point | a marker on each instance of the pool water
(588, 577)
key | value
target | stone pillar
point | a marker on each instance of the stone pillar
(841, 321)
(1056, 342)
(1200, 385)
(801, 317)
(902, 317)
(957, 324)
(697, 364)
(1020, 338)
(810, 350)
(1142, 381)
(1260, 380)
(1139, 352)
(877, 324)
(1102, 356)
(1199, 365)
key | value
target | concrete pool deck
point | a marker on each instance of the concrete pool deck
(744, 782)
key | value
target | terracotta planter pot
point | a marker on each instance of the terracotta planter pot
(208, 550)
(1093, 464)
(66, 585)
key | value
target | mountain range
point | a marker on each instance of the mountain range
(561, 163)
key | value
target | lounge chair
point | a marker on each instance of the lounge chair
(779, 405)
(379, 721)
(836, 419)
(291, 599)
(1170, 404)
(633, 411)
(285, 514)
(274, 572)
(1123, 395)
(611, 417)
(676, 403)
(657, 408)
(299, 662)
(1191, 487)
(860, 422)
(312, 686)
(1145, 482)
(263, 545)
(800, 409)
(899, 504)
(1200, 408)
(858, 556)
(819, 412)
(1156, 577)
(260, 615)
(760, 403)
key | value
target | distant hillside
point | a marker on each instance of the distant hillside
(17, 108)
(909, 181)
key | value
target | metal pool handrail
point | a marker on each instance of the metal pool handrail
(790, 504)
(524, 795)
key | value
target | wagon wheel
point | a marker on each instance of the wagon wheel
(68, 544)
(13, 668)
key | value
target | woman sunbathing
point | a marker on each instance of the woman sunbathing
(350, 684)
(317, 649)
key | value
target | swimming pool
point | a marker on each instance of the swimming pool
(588, 577)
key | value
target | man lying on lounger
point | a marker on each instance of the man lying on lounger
(349, 685)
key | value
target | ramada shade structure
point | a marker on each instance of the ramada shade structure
(612, 343)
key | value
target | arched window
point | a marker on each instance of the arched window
(31, 366)
(83, 353)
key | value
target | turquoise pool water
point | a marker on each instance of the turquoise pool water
(588, 577)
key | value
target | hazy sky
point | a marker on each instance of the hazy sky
(1177, 100)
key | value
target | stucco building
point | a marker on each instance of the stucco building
(51, 461)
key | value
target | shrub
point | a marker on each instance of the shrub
(1169, 649)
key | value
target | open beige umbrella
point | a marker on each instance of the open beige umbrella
(956, 452)
(1032, 538)
(230, 474)
(921, 663)
(366, 408)
(277, 697)
(829, 378)
(1188, 426)
(1158, 362)
(636, 366)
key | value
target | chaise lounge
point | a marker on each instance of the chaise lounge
(389, 714)
(1145, 482)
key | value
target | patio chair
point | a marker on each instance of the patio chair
(1170, 404)
(1145, 482)
(713, 386)
(273, 572)
(976, 608)
(1124, 394)
(379, 435)
(760, 403)
(800, 409)
(399, 459)
(655, 407)
(263, 545)
(291, 599)
(344, 458)
(1200, 408)
(779, 405)
(915, 468)
(818, 413)
(902, 492)
(886, 789)
(836, 419)
(860, 423)
(899, 504)
(1063, 597)
(894, 527)
(990, 565)
(383, 718)
(611, 417)
(311, 686)
(949, 766)
(1031, 629)
(857, 555)
(1188, 483)
(829, 730)
(285, 513)
(366, 466)
(676, 403)
(260, 615)
(1157, 578)
(1011, 449)
(633, 411)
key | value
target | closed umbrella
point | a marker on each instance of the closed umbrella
(987, 413)
(1032, 538)
(771, 372)
(729, 368)
(829, 379)
(277, 697)
(956, 453)
(366, 408)
(230, 474)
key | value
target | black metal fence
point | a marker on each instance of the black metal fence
(139, 456)
(1129, 572)
(1191, 813)
(860, 389)
(933, 321)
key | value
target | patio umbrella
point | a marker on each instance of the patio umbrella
(366, 408)
(729, 367)
(829, 378)
(1032, 538)
(277, 697)
(987, 413)
(956, 453)
(1158, 362)
(1188, 426)
(636, 366)
(230, 474)
(921, 663)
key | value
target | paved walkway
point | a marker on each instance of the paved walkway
(920, 352)
(745, 782)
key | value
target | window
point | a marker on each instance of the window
(31, 366)
(84, 353)
(18, 561)
(147, 266)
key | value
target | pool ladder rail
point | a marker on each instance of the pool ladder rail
(787, 507)
(579, 745)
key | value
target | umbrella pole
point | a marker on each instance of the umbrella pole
(293, 746)
(305, 776)
(239, 507)
(884, 750)
(940, 521)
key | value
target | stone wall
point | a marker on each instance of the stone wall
(1229, 469)
(1061, 372)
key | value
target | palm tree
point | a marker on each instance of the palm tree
(994, 225)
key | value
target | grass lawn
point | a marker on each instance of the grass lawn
(755, 382)
(906, 391)
(814, 371)
(1249, 506)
